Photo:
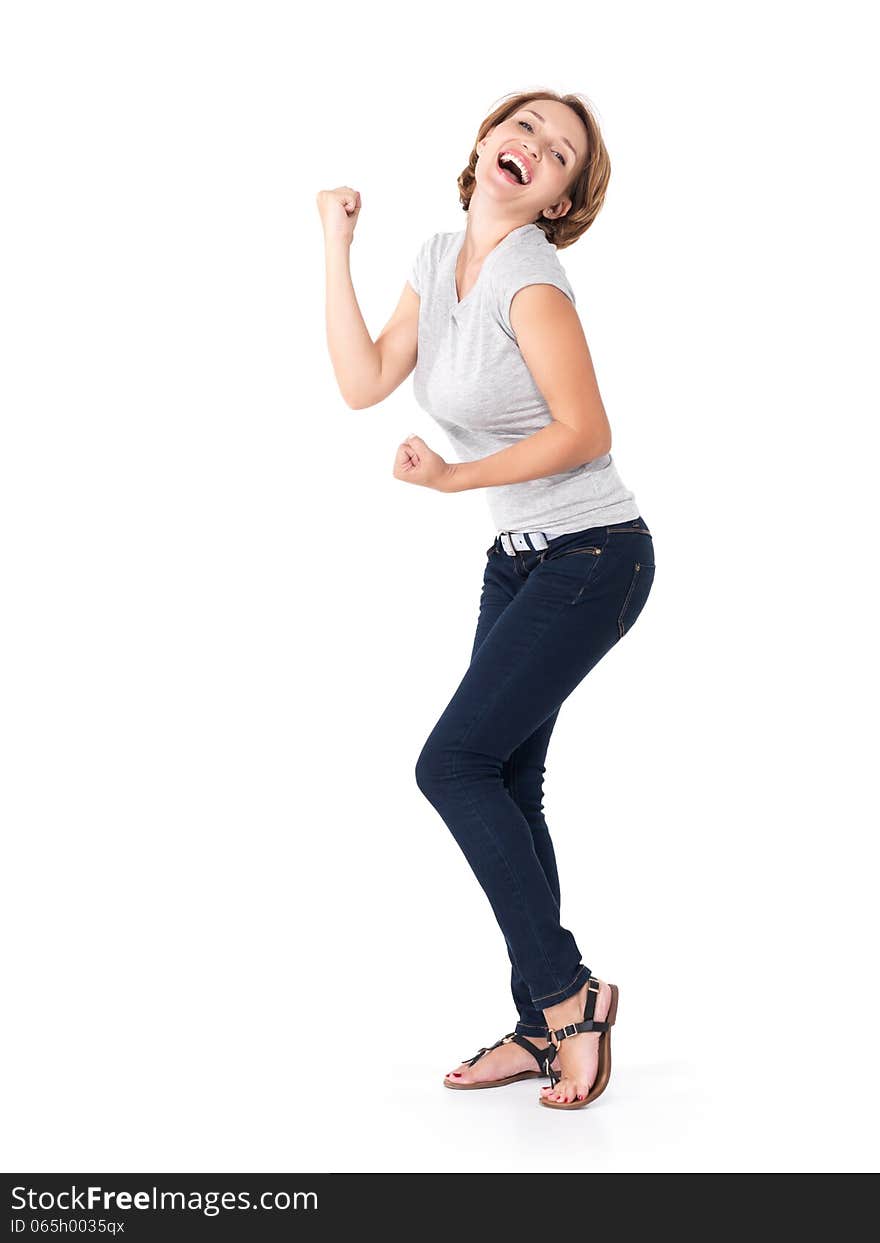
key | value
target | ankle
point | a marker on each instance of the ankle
(569, 1011)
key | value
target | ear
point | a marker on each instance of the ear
(557, 210)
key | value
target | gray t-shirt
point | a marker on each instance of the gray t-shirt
(472, 379)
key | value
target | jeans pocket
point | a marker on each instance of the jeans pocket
(592, 550)
(568, 574)
(587, 543)
(636, 596)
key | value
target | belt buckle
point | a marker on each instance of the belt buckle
(523, 541)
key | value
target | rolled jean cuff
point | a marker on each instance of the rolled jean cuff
(526, 1029)
(553, 999)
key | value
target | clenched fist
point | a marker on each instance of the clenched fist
(339, 210)
(416, 463)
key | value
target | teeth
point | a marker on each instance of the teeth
(519, 163)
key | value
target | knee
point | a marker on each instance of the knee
(444, 767)
(429, 770)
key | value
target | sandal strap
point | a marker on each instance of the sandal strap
(540, 1055)
(572, 1029)
(469, 1061)
(592, 997)
(489, 1047)
(589, 1024)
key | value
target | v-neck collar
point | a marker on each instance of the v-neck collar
(457, 302)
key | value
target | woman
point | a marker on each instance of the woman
(488, 321)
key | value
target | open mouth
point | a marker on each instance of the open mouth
(514, 168)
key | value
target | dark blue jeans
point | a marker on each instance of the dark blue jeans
(546, 618)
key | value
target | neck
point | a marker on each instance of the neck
(485, 229)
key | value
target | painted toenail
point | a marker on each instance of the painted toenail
(456, 1074)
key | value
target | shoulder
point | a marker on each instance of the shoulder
(436, 245)
(428, 255)
(530, 252)
(531, 260)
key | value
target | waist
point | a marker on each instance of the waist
(513, 542)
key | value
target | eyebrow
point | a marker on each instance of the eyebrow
(541, 119)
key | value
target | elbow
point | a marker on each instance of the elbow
(594, 450)
(358, 403)
(602, 444)
(589, 443)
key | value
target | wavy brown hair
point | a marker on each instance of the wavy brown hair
(586, 189)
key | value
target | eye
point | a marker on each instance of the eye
(531, 130)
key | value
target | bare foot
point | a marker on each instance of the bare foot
(578, 1055)
(507, 1059)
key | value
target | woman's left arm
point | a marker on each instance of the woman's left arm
(554, 348)
(552, 342)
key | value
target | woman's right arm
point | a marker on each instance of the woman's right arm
(366, 370)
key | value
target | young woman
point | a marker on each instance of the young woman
(488, 321)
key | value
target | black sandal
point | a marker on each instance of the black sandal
(589, 1024)
(542, 1056)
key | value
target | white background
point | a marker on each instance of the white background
(237, 936)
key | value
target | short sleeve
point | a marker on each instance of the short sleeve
(527, 269)
(417, 268)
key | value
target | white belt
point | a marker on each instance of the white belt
(522, 541)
